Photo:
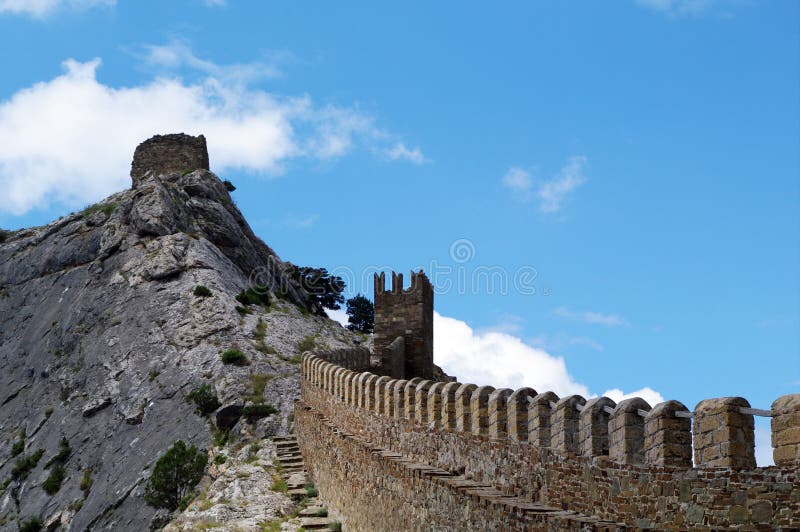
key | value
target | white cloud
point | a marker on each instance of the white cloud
(763, 441)
(338, 315)
(301, 222)
(70, 140)
(553, 193)
(648, 394)
(177, 54)
(400, 152)
(550, 194)
(596, 318)
(498, 359)
(678, 7)
(43, 8)
(519, 181)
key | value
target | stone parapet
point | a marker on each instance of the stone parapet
(641, 477)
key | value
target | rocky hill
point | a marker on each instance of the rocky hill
(104, 331)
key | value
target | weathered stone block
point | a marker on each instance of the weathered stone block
(594, 426)
(463, 407)
(498, 405)
(667, 438)
(479, 410)
(539, 416)
(786, 430)
(517, 413)
(626, 431)
(421, 401)
(731, 432)
(565, 425)
(449, 409)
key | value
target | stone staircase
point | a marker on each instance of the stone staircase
(314, 515)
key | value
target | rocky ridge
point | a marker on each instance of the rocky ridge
(102, 336)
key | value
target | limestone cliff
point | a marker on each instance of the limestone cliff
(102, 337)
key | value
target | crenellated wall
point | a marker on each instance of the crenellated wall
(465, 455)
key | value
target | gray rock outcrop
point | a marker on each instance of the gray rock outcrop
(102, 337)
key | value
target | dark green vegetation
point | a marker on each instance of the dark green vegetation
(23, 466)
(205, 399)
(253, 412)
(258, 382)
(243, 311)
(86, 481)
(235, 357)
(61, 457)
(255, 295)
(201, 291)
(4, 235)
(34, 524)
(307, 344)
(229, 186)
(105, 208)
(52, 484)
(175, 475)
(360, 314)
(311, 491)
(19, 445)
(325, 289)
(220, 459)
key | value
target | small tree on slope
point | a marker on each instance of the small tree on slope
(175, 475)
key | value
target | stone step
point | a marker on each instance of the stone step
(310, 511)
(290, 454)
(297, 492)
(315, 523)
(293, 462)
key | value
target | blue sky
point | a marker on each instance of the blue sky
(640, 156)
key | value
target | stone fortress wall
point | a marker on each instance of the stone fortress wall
(397, 454)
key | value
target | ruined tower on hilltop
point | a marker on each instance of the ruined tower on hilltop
(404, 326)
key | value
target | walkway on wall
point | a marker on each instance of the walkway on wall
(477, 493)
(296, 476)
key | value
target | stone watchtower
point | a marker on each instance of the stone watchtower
(169, 153)
(404, 326)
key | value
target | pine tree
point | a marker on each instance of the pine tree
(175, 475)
(361, 314)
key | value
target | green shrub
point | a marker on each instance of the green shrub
(278, 484)
(322, 512)
(294, 359)
(234, 356)
(205, 399)
(64, 451)
(53, 482)
(23, 466)
(175, 475)
(253, 412)
(201, 291)
(255, 295)
(336, 526)
(19, 445)
(221, 436)
(229, 186)
(86, 481)
(258, 382)
(34, 524)
(105, 208)
(307, 344)
(243, 311)
(311, 491)
(220, 459)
